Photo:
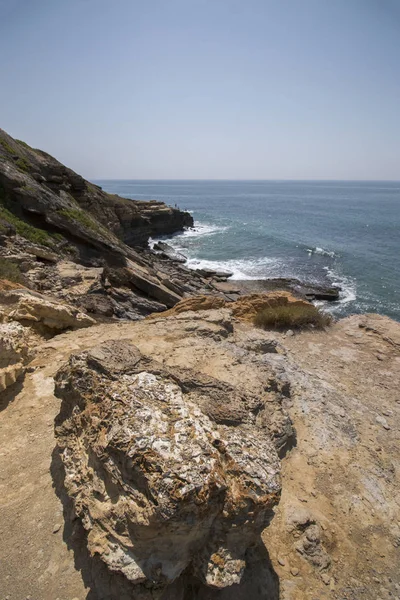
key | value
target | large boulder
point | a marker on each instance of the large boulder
(37, 309)
(167, 469)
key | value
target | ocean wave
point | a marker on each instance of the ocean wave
(320, 251)
(241, 269)
(348, 287)
(202, 229)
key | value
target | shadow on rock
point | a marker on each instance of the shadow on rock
(259, 582)
(9, 395)
(102, 585)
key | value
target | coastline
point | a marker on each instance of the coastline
(154, 442)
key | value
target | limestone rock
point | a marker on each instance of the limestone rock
(166, 467)
(14, 353)
(244, 308)
(195, 304)
(54, 315)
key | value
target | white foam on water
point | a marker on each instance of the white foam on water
(201, 229)
(348, 286)
(241, 269)
(320, 251)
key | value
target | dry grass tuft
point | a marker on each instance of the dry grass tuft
(292, 316)
(10, 271)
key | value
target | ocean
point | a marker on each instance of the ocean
(334, 232)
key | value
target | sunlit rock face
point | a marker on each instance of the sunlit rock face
(166, 467)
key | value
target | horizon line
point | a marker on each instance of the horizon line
(244, 180)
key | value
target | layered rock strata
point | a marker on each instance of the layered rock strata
(37, 186)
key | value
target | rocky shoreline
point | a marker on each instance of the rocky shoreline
(156, 445)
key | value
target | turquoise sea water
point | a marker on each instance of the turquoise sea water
(338, 232)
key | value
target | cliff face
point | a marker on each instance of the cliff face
(53, 223)
(39, 187)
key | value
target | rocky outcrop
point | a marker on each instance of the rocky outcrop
(166, 467)
(29, 308)
(15, 352)
(244, 308)
(302, 289)
(166, 251)
(38, 188)
(327, 399)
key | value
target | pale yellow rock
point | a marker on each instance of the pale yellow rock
(54, 315)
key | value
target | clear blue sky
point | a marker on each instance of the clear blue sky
(230, 89)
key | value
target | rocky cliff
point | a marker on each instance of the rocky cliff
(65, 236)
(38, 188)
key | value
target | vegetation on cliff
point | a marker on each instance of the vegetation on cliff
(291, 317)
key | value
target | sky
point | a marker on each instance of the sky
(205, 89)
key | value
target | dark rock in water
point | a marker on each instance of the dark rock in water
(206, 272)
(297, 287)
(223, 274)
(169, 252)
(330, 294)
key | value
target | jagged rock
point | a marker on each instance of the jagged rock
(14, 353)
(97, 304)
(166, 468)
(138, 279)
(13, 344)
(169, 252)
(121, 303)
(53, 315)
(195, 304)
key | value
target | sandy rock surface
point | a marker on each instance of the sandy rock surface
(328, 400)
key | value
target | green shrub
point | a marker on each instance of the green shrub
(10, 271)
(76, 214)
(24, 144)
(292, 316)
(7, 147)
(23, 165)
(29, 232)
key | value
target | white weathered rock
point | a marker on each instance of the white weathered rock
(14, 353)
(52, 314)
(161, 486)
